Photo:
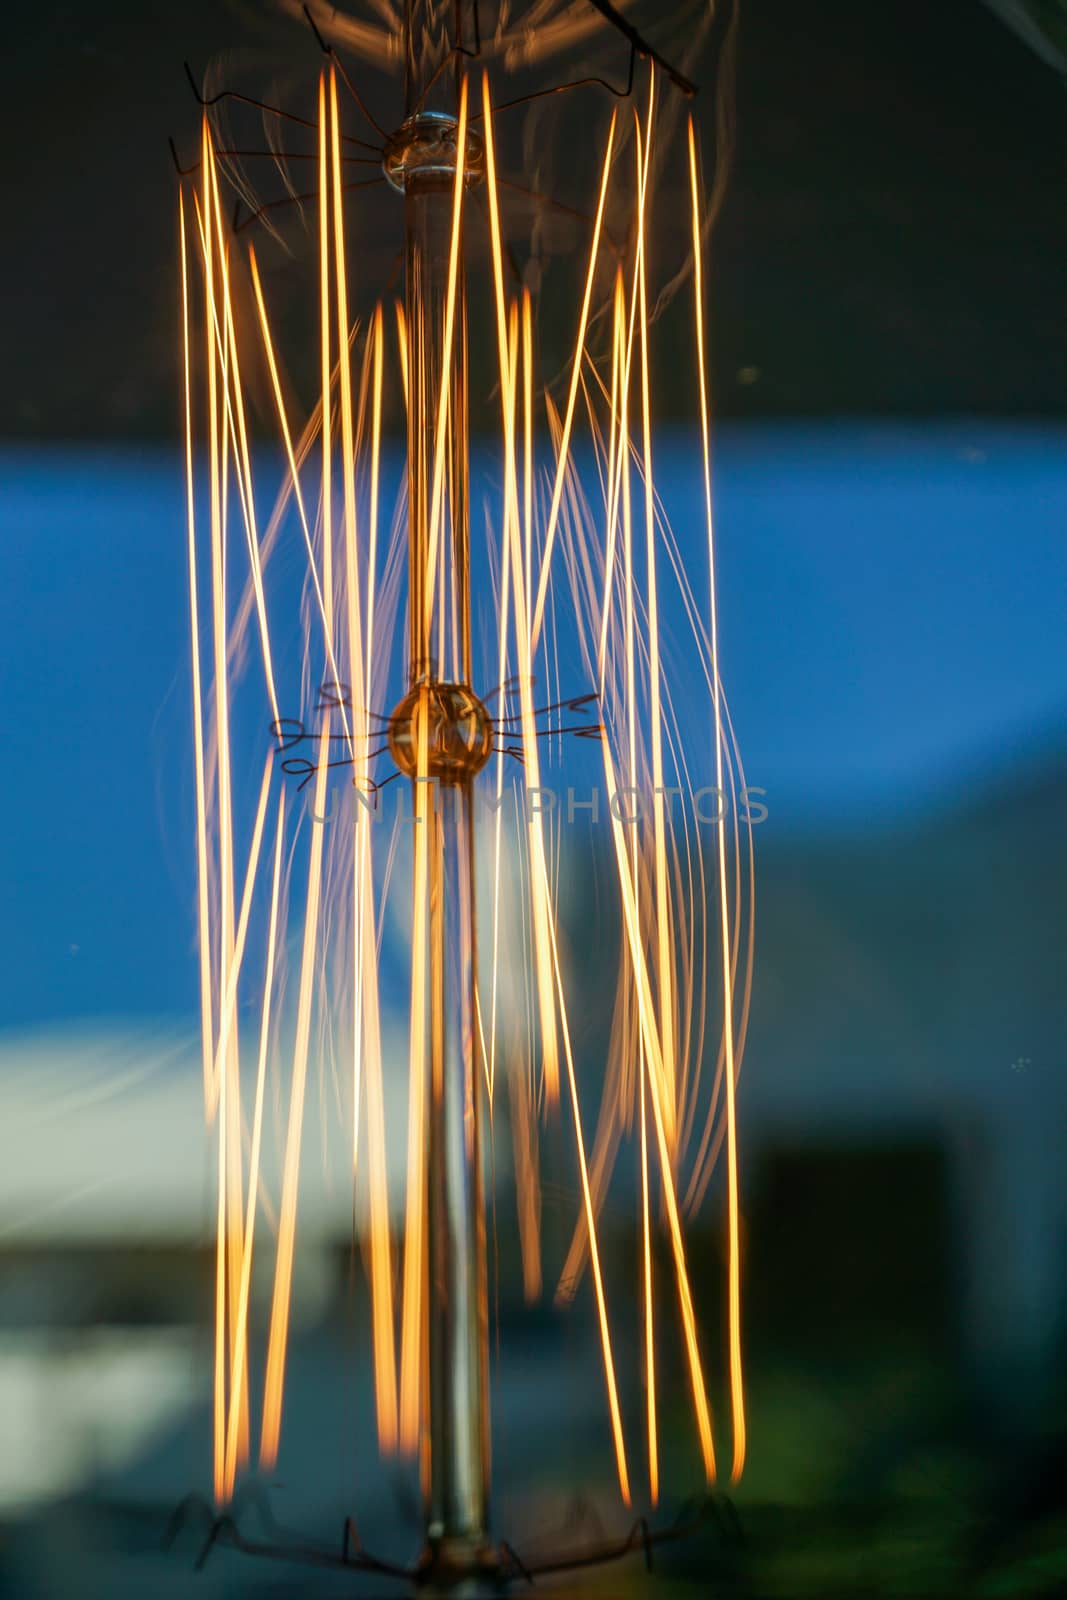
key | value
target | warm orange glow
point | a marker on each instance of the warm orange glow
(646, 1016)
(594, 1251)
(229, 1220)
(737, 1401)
(650, 1337)
(411, 1353)
(239, 436)
(440, 439)
(576, 370)
(203, 911)
(577, 572)
(283, 1271)
(664, 952)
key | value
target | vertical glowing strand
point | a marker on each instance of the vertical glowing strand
(527, 1184)
(440, 441)
(623, 442)
(203, 911)
(229, 1074)
(646, 1016)
(614, 448)
(402, 347)
(242, 458)
(375, 463)
(502, 678)
(737, 1401)
(220, 1364)
(663, 926)
(523, 1122)
(278, 1341)
(411, 1354)
(352, 597)
(348, 468)
(594, 1250)
(579, 347)
(227, 1068)
(540, 903)
(229, 1085)
(427, 576)
(625, 449)
(308, 440)
(538, 866)
(708, 1153)
(241, 1339)
(324, 364)
(229, 1001)
(277, 1347)
(650, 1341)
(294, 478)
(412, 1316)
(219, 1379)
(527, 434)
(665, 977)
(381, 1247)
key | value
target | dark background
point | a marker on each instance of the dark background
(891, 243)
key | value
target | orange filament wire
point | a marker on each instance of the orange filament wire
(240, 435)
(203, 912)
(664, 920)
(446, 358)
(229, 1156)
(294, 475)
(594, 1249)
(646, 1016)
(253, 1160)
(540, 902)
(278, 1340)
(579, 346)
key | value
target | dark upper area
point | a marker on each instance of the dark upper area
(893, 241)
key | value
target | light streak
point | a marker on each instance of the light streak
(540, 896)
(646, 1016)
(579, 345)
(594, 1250)
(283, 1271)
(229, 1148)
(411, 1352)
(664, 975)
(441, 432)
(268, 345)
(274, 1381)
(650, 1338)
(241, 1339)
(736, 1375)
(574, 581)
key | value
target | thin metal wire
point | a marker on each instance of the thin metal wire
(511, 1565)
